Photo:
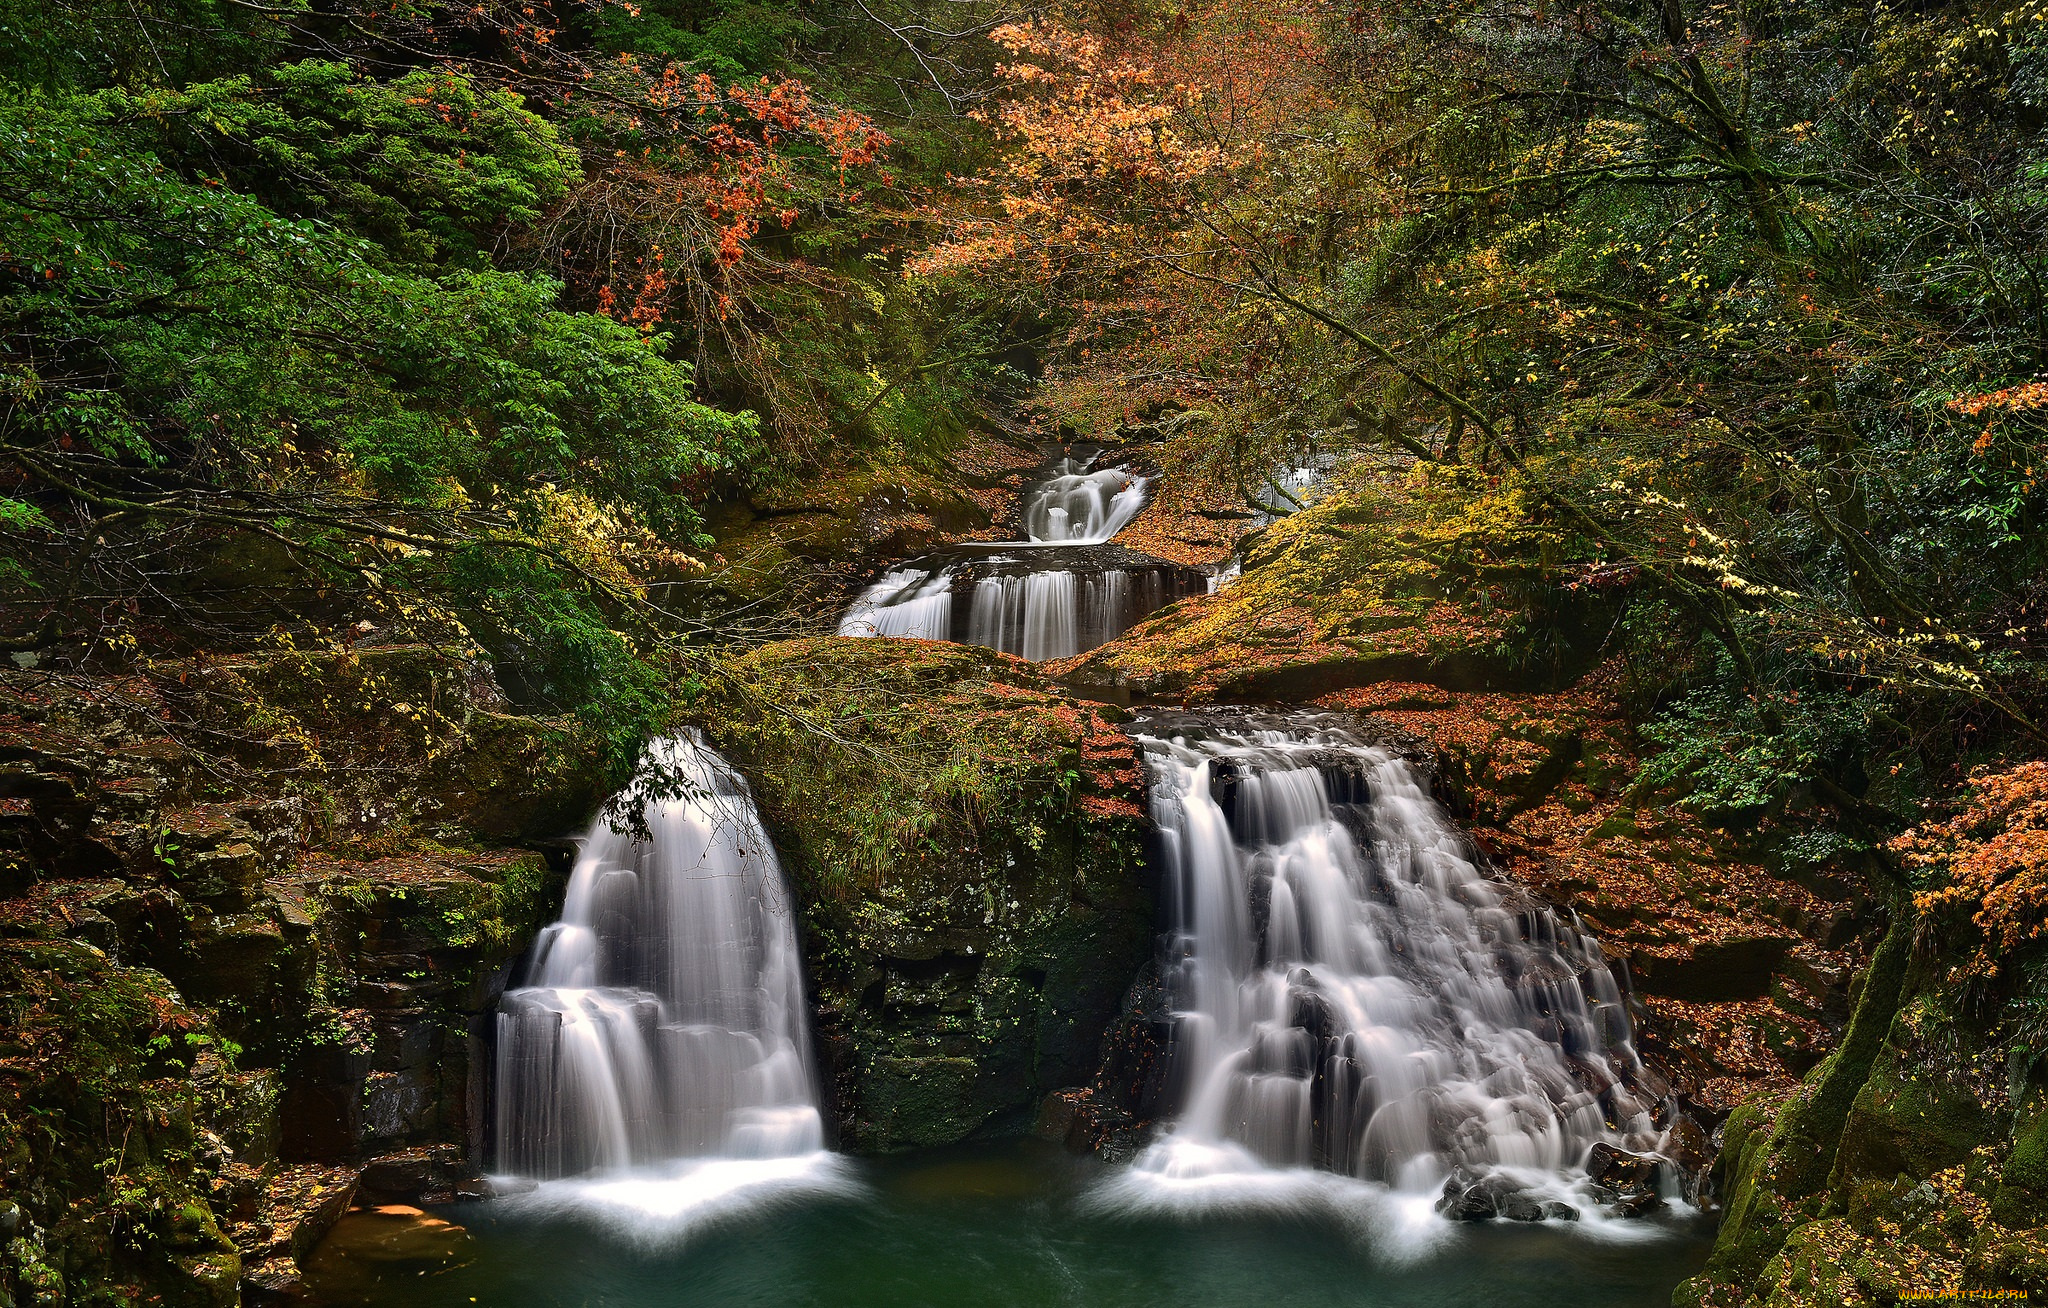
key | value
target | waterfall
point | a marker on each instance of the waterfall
(1352, 994)
(1050, 613)
(1075, 507)
(659, 1051)
(1040, 604)
(908, 602)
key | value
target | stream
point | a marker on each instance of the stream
(1370, 1038)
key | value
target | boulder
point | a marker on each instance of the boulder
(972, 922)
(1622, 1171)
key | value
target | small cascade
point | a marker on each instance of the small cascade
(910, 602)
(1062, 591)
(661, 1037)
(1078, 507)
(1351, 992)
(1049, 605)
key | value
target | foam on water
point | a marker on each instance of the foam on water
(660, 1208)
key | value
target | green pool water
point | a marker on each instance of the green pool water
(1016, 1226)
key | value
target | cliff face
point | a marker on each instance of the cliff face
(255, 918)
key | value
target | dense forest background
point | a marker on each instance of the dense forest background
(460, 314)
(1709, 338)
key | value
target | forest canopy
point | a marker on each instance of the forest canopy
(1722, 324)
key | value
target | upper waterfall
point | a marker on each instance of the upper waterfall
(1075, 593)
(1078, 507)
(663, 1028)
(1351, 993)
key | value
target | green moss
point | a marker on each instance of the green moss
(974, 894)
(880, 756)
(1779, 1178)
(1816, 1267)
(100, 1139)
(1906, 1121)
(2022, 1195)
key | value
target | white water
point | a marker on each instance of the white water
(909, 602)
(1050, 613)
(1075, 507)
(659, 1054)
(1038, 615)
(1354, 997)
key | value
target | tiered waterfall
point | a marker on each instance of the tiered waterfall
(1351, 992)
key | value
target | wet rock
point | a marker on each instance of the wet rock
(1626, 1182)
(399, 1105)
(1466, 1203)
(391, 1233)
(1640, 1204)
(1067, 1117)
(429, 1175)
(1620, 1170)
(1692, 1155)
(1555, 1210)
(1466, 1199)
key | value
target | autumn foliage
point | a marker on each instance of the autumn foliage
(1990, 859)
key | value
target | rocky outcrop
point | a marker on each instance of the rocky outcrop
(243, 994)
(968, 847)
(798, 542)
(1907, 1163)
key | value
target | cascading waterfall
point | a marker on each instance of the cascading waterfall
(1049, 604)
(909, 602)
(1039, 614)
(1352, 994)
(659, 1052)
(1078, 507)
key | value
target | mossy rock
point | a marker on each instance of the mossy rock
(1371, 583)
(835, 518)
(1820, 1266)
(2014, 1259)
(2021, 1199)
(102, 1140)
(1775, 1159)
(1906, 1119)
(974, 894)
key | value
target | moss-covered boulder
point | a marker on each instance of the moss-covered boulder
(2022, 1195)
(383, 738)
(114, 1090)
(968, 848)
(1371, 583)
(1909, 1119)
